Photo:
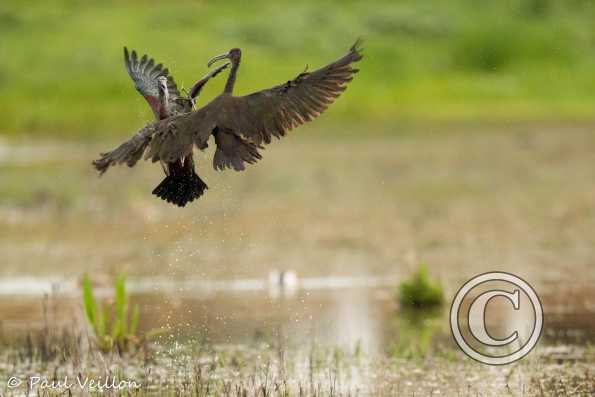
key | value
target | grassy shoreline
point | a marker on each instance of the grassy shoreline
(197, 369)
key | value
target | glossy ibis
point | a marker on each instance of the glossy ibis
(239, 124)
(158, 87)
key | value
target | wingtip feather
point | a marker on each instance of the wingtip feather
(357, 48)
(126, 58)
(134, 57)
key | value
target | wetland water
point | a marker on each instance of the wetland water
(464, 203)
(350, 313)
(322, 336)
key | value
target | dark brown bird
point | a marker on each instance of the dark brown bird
(239, 124)
(158, 87)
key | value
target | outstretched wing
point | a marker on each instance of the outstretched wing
(257, 117)
(272, 112)
(129, 152)
(144, 73)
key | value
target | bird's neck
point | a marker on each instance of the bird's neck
(164, 98)
(163, 102)
(231, 79)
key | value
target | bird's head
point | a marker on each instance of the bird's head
(162, 85)
(233, 55)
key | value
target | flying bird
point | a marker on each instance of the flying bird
(159, 88)
(240, 125)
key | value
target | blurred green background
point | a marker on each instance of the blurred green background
(62, 74)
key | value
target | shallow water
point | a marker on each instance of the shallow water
(349, 313)
(463, 203)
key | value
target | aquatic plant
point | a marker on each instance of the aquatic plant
(420, 291)
(115, 326)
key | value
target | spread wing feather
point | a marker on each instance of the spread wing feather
(144, 73)
(233, 151)
(254, 119)
(129, 152)
(259, 116)
(273, 112)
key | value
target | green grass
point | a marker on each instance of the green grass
(115, 326)
(61, 68)
(420, 291)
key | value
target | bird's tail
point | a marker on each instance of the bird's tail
(182, 185)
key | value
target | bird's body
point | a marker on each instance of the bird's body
(239, 124)
(158, 87)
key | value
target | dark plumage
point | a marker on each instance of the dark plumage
(240, 124)
(182, 184)
(153, 81)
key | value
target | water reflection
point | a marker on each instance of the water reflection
(413, 333)
(357, 318)
(362, 318)
(343, 318)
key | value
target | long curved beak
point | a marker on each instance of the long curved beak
(218, 58)
(216, 71)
